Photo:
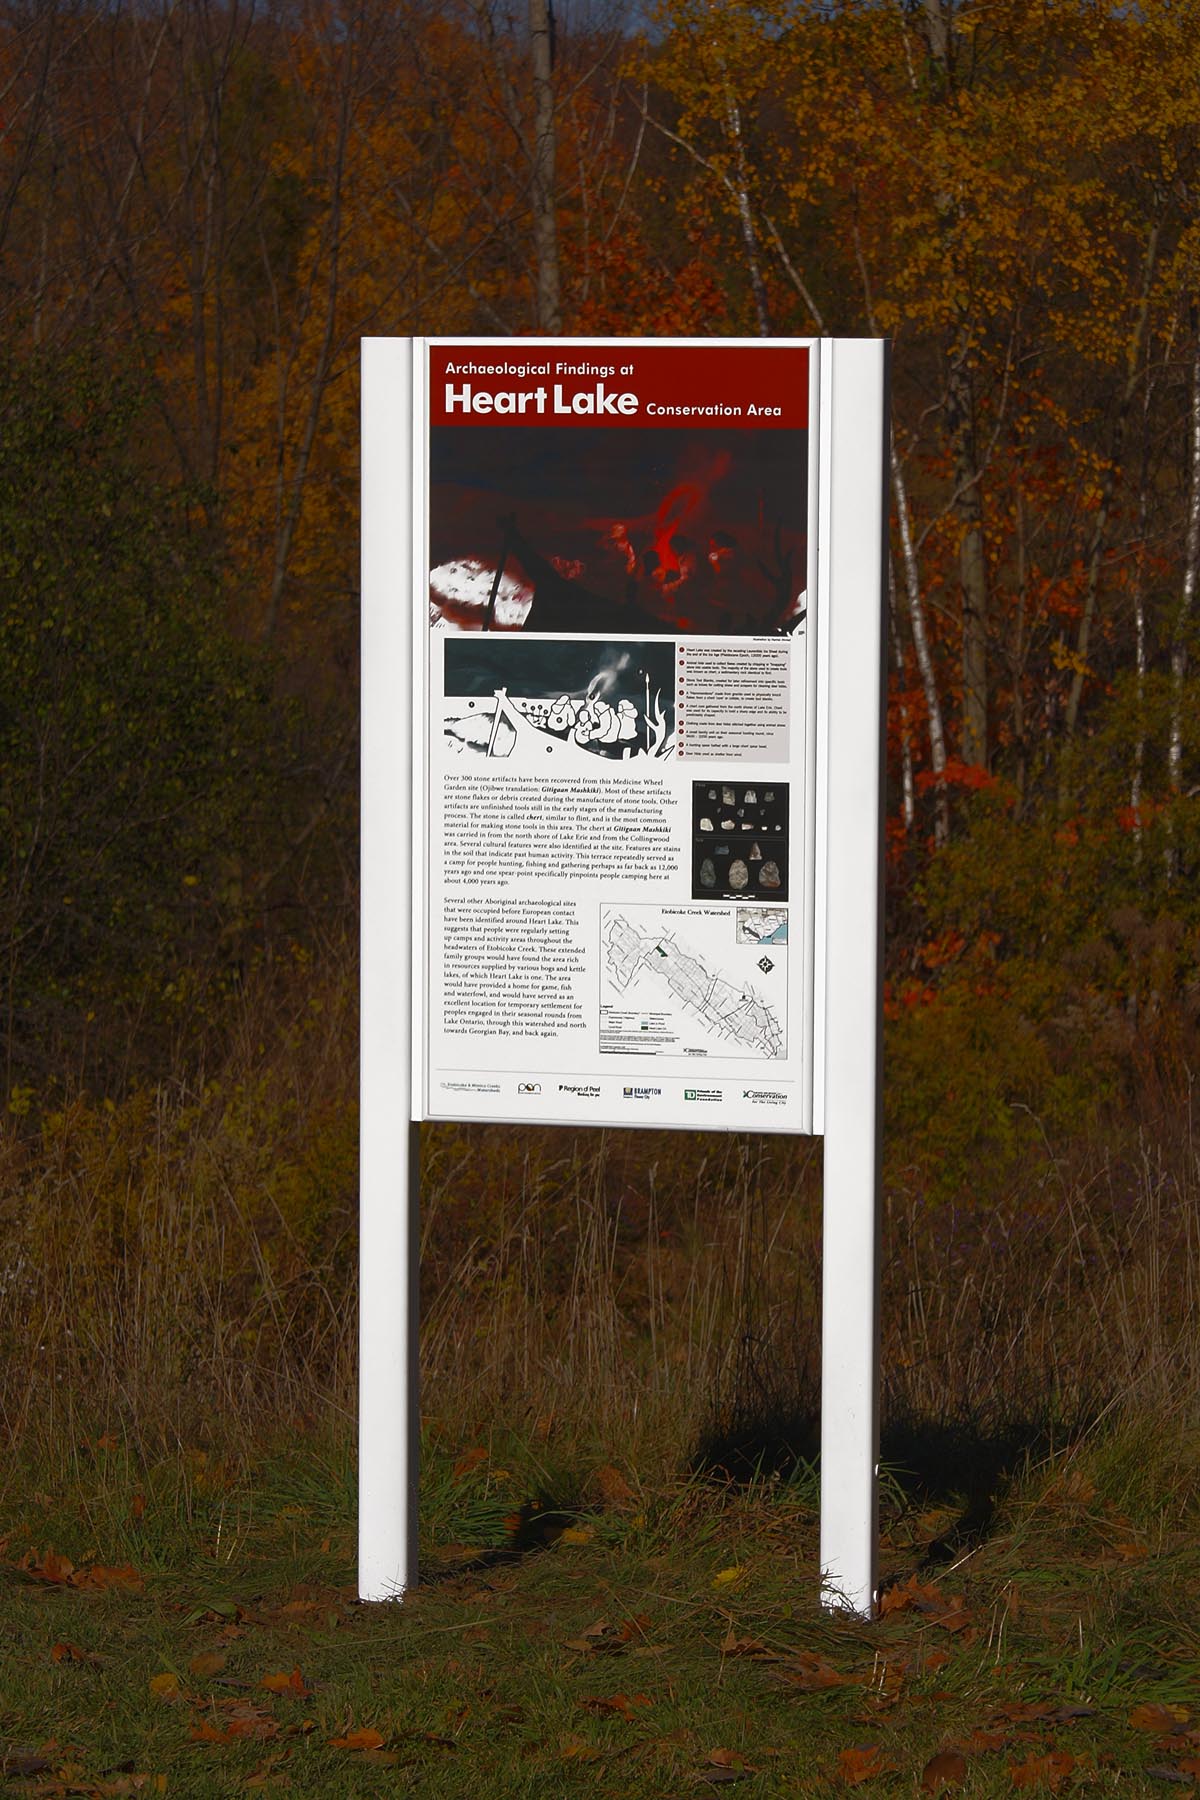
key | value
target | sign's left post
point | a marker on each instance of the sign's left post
(388, 1407)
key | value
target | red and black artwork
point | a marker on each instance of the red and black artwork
(627, 532)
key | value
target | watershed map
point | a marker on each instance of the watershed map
(675, 982)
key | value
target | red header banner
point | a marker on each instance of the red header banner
(754, 386)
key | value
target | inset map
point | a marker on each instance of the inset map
(674, 982)
(762, 925)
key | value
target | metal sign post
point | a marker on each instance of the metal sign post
(854, 733)
(707, 662)
(388, 1415)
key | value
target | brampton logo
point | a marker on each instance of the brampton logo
(702, 1094)
(529, 1087)
(641, 1093)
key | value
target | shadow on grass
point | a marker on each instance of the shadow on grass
(966, 1462)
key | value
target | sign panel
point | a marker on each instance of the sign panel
(622, 858)
(616, 682)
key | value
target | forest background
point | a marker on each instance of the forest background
(203, 206)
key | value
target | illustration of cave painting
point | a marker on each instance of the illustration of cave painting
(739, 840)
(526, 702)
(617, 532)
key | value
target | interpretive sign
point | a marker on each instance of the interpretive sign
(622, 695)
(617, 724)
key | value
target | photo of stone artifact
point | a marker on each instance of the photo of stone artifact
(739, 840)
(618, 530)
(524, 700)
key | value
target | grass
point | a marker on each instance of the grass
(619, 1348)
(656, 1646)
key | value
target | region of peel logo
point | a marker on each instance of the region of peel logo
(529, 1087)
(702, 1094)
(771, 1096)
(641, 1093)
(582, 1090)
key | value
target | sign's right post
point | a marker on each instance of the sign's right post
(848, 1086)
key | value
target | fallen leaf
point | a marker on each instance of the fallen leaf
(123, 1577)
(165, 1686)
(811, 1673)
(211, 1612)
(863, 1762)
(1049, 1771)
(913, 1594)
(1025, 1712)
(367, 1738)
(984, 1739)
(947, 1769)
(729, 1759)
(888, 1682)
(137, 1506)
(269, 1774)
(73, 1653)
(48, 1567)
(625, 1704)
(577, 1749)
(732, 1645)
(469, 1461)
(22, 1762)
(1165, 1772)
(1158, 1718)
(246, 1715)
(281, 1683)
(636, 1626)
(209, 1662)
(614, 1490)
(203, 1731)
(577, 1534)
(957, 1618)
(726, 1577)
(600, 1636)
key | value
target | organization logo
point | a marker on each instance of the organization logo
(765, 964)
(641, 1093)
(770, 1096)
(702, 1094)
(582, 1090)
(529, 1087)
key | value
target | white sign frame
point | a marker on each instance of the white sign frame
(848, 521)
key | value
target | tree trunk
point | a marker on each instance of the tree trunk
(1190, 562)
(907, 790)
(916, 619)
(972, 562)
(543, 195)
(758, 286)
(1099, 543)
